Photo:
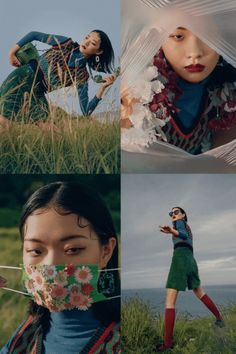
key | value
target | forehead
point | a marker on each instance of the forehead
(173, 209)
(95, 36)
(49, 223)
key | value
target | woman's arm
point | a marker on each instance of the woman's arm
(50, 39)
(87, 107)
(5, 349)
(181, 229)
(169, 230)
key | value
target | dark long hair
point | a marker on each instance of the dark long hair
(182, 211)
(106, 62)
(79, 199)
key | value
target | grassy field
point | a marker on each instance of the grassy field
(142, 330)
(79, 145)
(13, 307)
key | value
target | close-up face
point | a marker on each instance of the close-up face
(176, 214)
(90, 45)
(190, 58)
(52, 239)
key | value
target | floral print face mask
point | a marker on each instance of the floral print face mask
(63, 287)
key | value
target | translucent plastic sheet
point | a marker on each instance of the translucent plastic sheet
(145, 25)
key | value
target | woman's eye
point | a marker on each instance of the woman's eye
(177, 37)
(73, 250)
(34, 252)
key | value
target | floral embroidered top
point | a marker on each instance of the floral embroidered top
(66, 53)
(183, 114)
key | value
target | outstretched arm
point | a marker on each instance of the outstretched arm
(50, 39)
(166, 229)
(87, 107)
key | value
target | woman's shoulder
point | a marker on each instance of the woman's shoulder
(18, 332)
(108, 339)
(180, 223)
(223, 73)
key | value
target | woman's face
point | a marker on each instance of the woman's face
(189, 57)
(51, 239)
(177, 214)
(90, 45)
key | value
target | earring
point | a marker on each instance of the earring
(97, 58)
(106, 283)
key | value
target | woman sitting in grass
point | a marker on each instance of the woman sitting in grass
(65, 64)
(183, 274)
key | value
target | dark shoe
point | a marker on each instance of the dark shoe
(163, 347)
(219, 323)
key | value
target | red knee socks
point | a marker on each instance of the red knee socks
(169, 326)
(211, 306)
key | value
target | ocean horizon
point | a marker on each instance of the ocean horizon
(187, 302)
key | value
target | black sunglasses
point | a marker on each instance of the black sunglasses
(175, 212)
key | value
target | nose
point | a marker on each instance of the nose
(53, 258)
(194, 48)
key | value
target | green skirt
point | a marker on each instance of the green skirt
(183, 271)
(22, 97)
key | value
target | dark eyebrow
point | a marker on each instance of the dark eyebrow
(63, 239)
(182, 28)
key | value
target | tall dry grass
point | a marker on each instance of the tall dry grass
(62, 143)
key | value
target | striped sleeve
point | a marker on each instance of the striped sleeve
(50, 39)
(87, 107)
(181, 228)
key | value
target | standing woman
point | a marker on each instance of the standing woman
(65, 64)
(70, 261)
(183, 273)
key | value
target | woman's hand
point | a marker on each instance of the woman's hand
(166, 229)
(12, 56)
(127, 102)
(169, 230)
(109, 80)
(3, 282)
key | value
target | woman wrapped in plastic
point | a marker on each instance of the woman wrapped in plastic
(185, 92)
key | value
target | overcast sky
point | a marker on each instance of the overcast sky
(72, 18)
(210, 203)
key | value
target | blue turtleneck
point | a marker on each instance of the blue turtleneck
(191, 102)
(69, 331)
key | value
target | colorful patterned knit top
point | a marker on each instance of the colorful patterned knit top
(185, 129)
(63, 65)
(189, 113)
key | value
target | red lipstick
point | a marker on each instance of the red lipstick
(195, 68)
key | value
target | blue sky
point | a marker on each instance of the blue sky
(209, 201)
(72, 18)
